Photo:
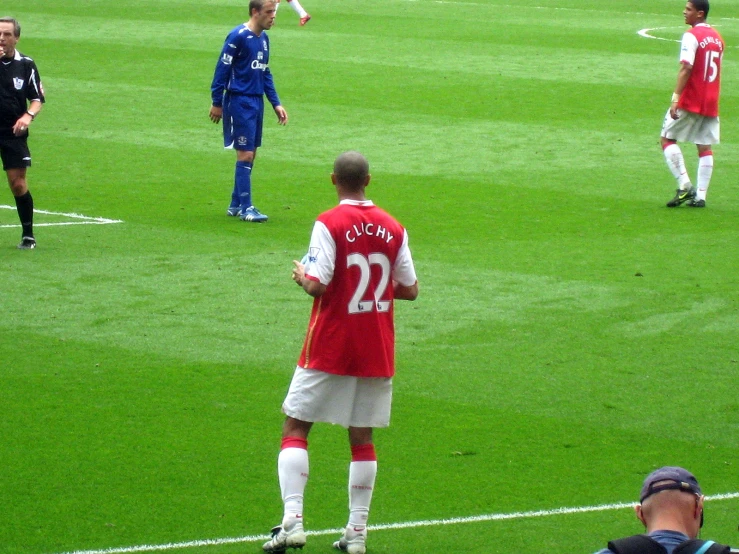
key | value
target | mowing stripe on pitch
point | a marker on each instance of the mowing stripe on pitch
(83, 219)
(383, 526)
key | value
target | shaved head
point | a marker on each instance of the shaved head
(351, 170)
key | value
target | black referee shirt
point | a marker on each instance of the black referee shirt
(19, 84)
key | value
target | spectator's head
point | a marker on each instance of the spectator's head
(671, 499)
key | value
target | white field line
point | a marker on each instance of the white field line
(647, 33)
(383, 526)
(547, 8)
(84, 219)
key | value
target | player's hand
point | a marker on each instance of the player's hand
(673, 111)
(216, 114)
(21, 126)
(281, 115)
(298, 272)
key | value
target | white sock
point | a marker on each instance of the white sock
(676, 163)
(297, 7)
(292, 469)
(705, 170)
(361, 484)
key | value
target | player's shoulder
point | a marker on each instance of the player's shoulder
(387, 216)
(331, 213)
(20, 56)
(716, 34)
(341, 214)
(26, 62)
(239, 31)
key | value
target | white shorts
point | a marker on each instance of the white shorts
(339, 399)
(691, 127)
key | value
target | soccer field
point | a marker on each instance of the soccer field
(571, 333)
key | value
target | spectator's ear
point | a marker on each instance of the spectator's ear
(699, 509)
(640, 515)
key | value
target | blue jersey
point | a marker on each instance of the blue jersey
(668, 539)
(243, 68)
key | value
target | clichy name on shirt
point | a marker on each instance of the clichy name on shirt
(369, 229)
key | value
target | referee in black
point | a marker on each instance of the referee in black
(21, 99)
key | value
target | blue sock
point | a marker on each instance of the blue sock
(242, 181)
(235, 201)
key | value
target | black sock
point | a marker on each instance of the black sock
(25, 213)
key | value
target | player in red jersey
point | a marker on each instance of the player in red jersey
(693, 113)
(358, 264)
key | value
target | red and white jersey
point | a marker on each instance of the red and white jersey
(357, 250)
(703, 48)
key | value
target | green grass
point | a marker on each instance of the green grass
(571, 333)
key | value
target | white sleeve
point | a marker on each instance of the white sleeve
(404, 272)
(688, 48)
(321, 254)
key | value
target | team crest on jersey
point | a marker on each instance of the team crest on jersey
(241, 141)
(18, 83)
(313, 254)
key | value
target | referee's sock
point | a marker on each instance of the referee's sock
(242, 180)
(24, 205)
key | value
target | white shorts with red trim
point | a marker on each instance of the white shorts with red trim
(339, 399)
(691, 127)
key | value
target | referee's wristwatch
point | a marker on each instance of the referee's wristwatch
(32, 114)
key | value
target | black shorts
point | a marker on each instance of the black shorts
(15, 153)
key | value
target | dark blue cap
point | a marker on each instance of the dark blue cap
(669, 478)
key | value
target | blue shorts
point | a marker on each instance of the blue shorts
(242, 121)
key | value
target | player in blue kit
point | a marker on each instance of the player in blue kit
(242, 79)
